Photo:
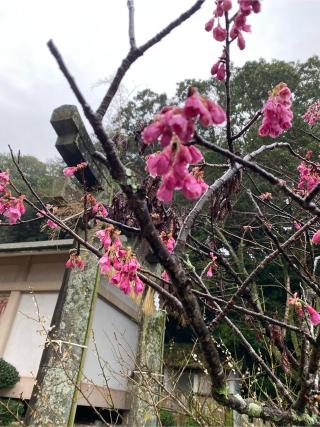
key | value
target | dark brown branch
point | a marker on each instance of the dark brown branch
(258, 315)
(26, 181)
(123, 227)
(313, 193)
(247, 126)
(260, 361)
(227, 87)
(309, 377)
(20, 222)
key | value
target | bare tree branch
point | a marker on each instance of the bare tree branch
(132, 38)
(247, 126)
(135, 53)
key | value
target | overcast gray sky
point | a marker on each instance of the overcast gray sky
(92, 36)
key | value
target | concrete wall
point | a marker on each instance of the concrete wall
(116, 338)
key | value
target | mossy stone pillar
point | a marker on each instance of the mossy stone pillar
(53, 400)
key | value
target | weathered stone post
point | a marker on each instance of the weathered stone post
(149, 366)
(145, 391)
(53, 400)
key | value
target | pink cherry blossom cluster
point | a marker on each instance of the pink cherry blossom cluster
(119, 263)
(75, 260)
(97, 207)
(316, 238)
(277, 114)
(309, 176)
(4, 181)
(10, 207)
(239, 25)
(312, 115)
(300, 305)
(168, 240)
(50, 223)
(71, 170)
(212, 266)
(174, 127)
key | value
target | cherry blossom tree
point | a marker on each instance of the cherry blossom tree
(211, 274)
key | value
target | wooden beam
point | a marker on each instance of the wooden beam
(94, 395)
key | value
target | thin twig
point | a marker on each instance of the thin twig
(132, 38)
(247, 126)
(135, 53)
(120, 225)
(227, 86)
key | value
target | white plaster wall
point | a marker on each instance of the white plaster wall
(115, 334)
(26, 340)
(116, 338)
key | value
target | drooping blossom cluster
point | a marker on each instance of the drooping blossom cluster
(75, 260)
(300, 305)
(174, 127)
(309, 176)
(10, 207)
(239, 26)
(71, 170)
(168, 240)
(277, 114)
(212, 266)
(312, 115)
(97, 207)
(50, 223)
(119, 263)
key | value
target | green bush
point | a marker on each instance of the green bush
(190, 422)
(167, 418)
(9, 376)
(10, 411)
